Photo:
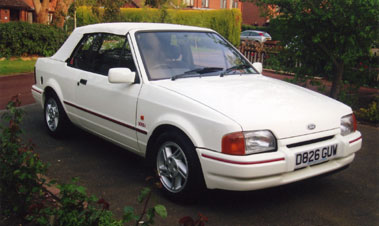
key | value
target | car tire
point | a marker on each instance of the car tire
(56, 120)
(178, 166)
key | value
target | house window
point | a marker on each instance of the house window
(189, 2)
(235, 3)
(205, 3)
(30, 17)
(223, 4)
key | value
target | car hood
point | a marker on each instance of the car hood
(257, 102)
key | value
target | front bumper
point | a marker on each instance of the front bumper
(252, 172)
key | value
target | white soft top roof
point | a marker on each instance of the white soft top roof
(114, 28)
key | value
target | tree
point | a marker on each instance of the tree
(327, 35)
(61, 11)
(112, 9)
(42, 11)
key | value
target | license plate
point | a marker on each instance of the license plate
(315, 156)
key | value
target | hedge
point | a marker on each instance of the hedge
(226, 22)
(20, 38)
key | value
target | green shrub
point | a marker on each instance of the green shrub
(20, 167)
(369, 114)
(245, 27)
(20, 38)
(75, 207)
(24, 194)
(225, 22)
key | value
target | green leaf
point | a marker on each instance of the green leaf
(81, 189)
(161, 210)
(142, 195)
(75, 180)
(16, 172)
(150, 214)
(128, 214)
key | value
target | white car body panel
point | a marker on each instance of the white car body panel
(205, 109)
(113, 101)
(196, 120)
(252, 99)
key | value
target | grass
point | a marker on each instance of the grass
(9, 67)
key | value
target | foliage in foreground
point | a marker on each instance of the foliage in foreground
(24, 193)
(19, 166)
(332, 37)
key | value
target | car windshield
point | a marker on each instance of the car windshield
(179, 54)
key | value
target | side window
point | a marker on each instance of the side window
(84, 53)
(98, 53)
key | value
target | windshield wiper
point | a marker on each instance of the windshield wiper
(202, 70)
(237, 67)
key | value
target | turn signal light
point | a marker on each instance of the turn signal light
(233, 144)
(354, 123)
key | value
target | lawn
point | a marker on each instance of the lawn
(8, 67)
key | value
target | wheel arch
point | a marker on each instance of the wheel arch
(53, 90)
(50, 91)
(154, 136)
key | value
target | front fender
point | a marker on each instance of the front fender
(181, 123)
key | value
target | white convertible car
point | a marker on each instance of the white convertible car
(188, 101)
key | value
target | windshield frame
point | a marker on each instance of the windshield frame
(233, 48)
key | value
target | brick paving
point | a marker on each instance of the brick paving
(12, 85)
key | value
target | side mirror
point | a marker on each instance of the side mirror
(121, 75)
(258, 66)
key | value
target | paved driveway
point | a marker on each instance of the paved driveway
(350, 197)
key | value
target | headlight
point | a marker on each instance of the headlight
(259, 141)
(250, 142)
(348, 124)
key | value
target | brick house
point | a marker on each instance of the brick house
(251, 15)
(250, 12)
(22, 10)
(15, 10)
(133, 4)
(213, 4)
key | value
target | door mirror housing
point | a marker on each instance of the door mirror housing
(121, 75)
(258, 66)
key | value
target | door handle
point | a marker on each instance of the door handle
(82, 81)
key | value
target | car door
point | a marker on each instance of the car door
(253, 36)
(244, 35)
(101, 107)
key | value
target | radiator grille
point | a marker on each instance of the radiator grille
(310, 142)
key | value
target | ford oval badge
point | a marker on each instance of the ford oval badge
(311, 126)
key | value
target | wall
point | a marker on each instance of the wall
(4, 15)
(214, 4)
(251, 14)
